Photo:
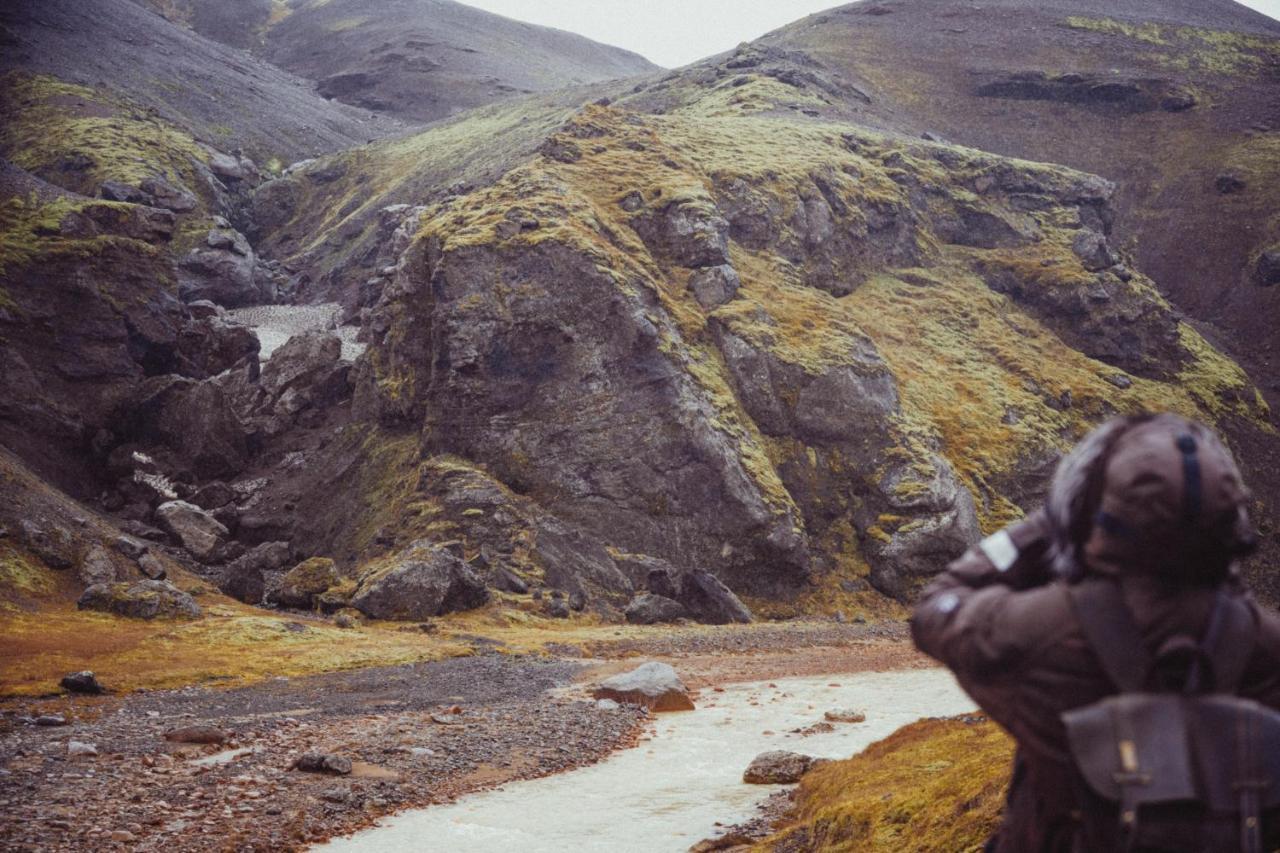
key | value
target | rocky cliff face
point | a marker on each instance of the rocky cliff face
(786, 351)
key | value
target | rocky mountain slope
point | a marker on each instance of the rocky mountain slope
(222, 97)
(730, 340)
(1177, 102)
(420, 60)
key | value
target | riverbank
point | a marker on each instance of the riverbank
(419, 734)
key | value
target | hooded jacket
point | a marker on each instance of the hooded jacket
(1001, 618)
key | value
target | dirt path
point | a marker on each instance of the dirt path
(417, 735)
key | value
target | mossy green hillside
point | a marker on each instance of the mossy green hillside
(76, 137)
(31, 232)
(1219, 52)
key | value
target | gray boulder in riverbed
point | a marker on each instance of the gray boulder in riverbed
(778, 767)
(654, 685)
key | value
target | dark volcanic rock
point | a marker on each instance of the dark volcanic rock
(1268, 267)
(223, 271)
(317, 762)
(189, 423)
(249, 576)
(650, 609)
(54, 546)
(196, 530)
(422, 581)
(82, 682)
(142, 600)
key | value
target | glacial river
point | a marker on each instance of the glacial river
(668, 793)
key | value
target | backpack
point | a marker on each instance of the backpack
(1187, 768)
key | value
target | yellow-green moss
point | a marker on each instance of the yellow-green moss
(933, 785)
(50, 123)
(30, 231)
(1193, 48)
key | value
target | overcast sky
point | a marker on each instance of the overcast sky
(677, 32)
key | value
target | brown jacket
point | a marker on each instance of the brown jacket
(1013, 641)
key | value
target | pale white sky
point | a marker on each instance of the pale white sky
(676, 32)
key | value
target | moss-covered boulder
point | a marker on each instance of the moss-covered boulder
(143, 600)
(302, 586)
(420, 582)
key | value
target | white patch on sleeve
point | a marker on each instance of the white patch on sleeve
(1000, 550)
(948, 602)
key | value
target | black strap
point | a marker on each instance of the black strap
(1109, 627)
(1229, 640)
(1191, 491)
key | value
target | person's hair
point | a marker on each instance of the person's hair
(1075, 497)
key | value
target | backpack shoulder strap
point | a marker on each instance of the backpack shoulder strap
(1112, 634)
(1228, 641)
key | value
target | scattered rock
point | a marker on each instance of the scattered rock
(777, 767)
(556, 608)
(1268, 267)
(129, 547)
(151, 567)
(714, 286)
(1093, 250)
(346, 619)
(318, 762)
(508, 581)
(194, 528)
(51, 720)
(654, 685)
(701, 594)
(845, 715)
(607, 705)
(82, 682)
(142, 600)
(1229, 183)
(196, 734)
(76, 747)
(52, 545)
(650, 609)
(97, 567)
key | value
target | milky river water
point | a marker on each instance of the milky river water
(668, 793)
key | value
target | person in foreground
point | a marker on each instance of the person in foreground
(1111, 635)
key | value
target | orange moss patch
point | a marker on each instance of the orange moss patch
(932, 785)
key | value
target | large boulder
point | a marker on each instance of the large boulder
(187, 423)
(250, 576)
(210, 342)
(142, 600)
(422, 581)
(196, 530)
(650, 609)
(302, 585)
(305, 371)
(702, 594)
(223, 270)
(654, 685)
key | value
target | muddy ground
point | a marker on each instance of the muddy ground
(416, 735)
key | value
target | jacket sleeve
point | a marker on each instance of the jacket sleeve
(1264, 671)
(958, 619)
